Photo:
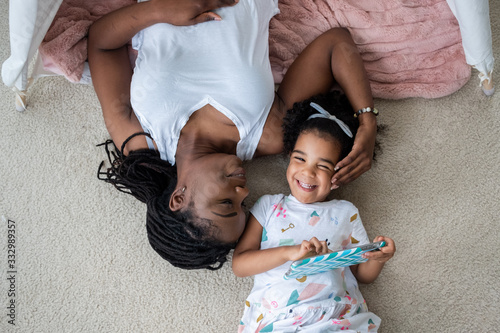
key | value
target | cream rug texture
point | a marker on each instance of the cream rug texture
(83, 263)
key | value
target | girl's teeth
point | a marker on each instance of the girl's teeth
(305, 185)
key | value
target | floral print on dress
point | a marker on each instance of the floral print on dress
(278, 209)
(318, 302)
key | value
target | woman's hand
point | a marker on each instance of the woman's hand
(360, 158)
(307, 249)
(189, 12)
(386, 252)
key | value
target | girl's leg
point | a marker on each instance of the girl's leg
(332, 57)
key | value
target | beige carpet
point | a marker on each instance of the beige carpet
(83, 263)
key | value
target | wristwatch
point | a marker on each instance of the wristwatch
(368, 109)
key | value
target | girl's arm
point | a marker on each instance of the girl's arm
(109, 62)
(249, 260)
(368, 271)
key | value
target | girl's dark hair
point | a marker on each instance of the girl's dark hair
(179, 237)
(337, 104)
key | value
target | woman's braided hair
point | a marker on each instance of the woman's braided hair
(179, 237)
(337, 104)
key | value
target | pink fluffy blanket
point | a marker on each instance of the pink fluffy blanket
(411, 48)
(64, 48)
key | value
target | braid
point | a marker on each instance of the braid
(142, 173)
(178, 237)
(183, 242)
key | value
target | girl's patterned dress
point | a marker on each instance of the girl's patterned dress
(325, 302)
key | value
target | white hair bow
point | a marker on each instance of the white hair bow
(325, 114)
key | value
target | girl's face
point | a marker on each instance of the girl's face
(311, 167)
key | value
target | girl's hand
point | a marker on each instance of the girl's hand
(360, 158)
(307, 249)
(189, 12)
(385, 253)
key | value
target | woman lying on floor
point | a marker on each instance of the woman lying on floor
(201, 99)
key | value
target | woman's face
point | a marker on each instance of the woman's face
(311, 167)
(217, 187)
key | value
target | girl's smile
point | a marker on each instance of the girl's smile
(306, 187)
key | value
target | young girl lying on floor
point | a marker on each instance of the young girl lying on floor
(285, 228)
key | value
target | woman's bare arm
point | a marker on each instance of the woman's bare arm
(333, 57)
(109, 62)
(111, 70)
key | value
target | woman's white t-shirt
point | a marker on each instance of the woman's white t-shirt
(180, 69)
